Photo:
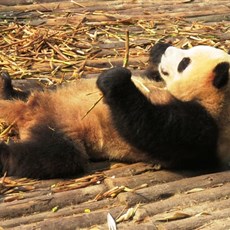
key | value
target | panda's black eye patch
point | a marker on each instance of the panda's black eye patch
(183, 64)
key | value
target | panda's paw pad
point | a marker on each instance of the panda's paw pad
(112, 78)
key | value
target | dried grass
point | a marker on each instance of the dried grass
(15, 186)
(65, 51)
(82, 182)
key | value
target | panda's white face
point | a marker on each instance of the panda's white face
(192, 65)
(200, 73)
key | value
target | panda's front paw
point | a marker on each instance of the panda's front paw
(113, 79)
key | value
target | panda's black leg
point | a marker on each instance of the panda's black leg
(115, 79)
(7, 92)
(131, 111)
(6, 89)
(49, 154)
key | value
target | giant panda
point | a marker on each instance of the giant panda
(178, 126)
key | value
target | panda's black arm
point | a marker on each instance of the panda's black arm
(179, 131)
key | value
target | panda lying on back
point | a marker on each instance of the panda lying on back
(179, 126)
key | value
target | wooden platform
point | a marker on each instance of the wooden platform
(163, 200)
(49, 42)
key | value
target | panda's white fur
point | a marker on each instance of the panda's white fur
(195, 82)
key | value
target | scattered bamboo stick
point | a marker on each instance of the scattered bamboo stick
(92, 107)
(23, 47)
(126, 59)
(7, 130)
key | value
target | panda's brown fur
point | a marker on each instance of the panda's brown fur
(59, 133)
(67, 111)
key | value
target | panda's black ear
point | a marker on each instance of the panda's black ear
(157, 51)
(221, 75)
(155, 55)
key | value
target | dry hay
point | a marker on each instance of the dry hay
(68, 52)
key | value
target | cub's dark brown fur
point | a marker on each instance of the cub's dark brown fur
(56, 138)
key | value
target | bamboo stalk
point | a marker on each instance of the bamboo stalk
(126, 59)
(92, 107)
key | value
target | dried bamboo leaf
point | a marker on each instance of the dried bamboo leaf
(78, 183)
(174, 216)
(73, 43)
(128, 215)
(194, 190)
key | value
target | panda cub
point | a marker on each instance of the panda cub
(183, 125)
